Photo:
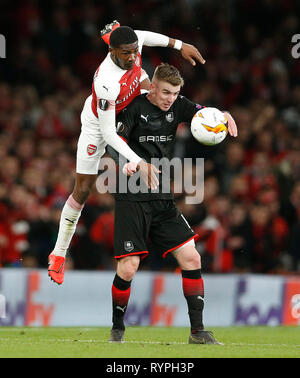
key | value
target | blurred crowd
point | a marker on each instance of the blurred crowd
(249, 220)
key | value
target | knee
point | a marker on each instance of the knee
(194, 260)
(127, 267)
(128, 274)
(83, 187)
(190, 260)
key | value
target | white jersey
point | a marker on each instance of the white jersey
(112, 90)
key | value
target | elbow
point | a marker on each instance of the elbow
(109, 136)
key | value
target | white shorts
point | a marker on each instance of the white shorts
(91, 145)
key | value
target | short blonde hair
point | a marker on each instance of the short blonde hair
(170, 74)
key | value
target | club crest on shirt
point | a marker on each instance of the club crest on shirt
(120, 127)
(128, 246)
(170, 117)
(91, 149)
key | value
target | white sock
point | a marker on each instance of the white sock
(68, 221)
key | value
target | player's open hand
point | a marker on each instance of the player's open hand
(149, 174)
(191, 53)
(232, 128)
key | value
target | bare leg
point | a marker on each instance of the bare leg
(71, 212)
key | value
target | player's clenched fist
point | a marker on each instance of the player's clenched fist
(129, 168)
(148, 172)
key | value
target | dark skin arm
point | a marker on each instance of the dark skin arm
(145, 84)
(189, 52)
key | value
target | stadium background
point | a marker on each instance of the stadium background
(250, 218)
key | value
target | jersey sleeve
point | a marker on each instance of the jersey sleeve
(146, 38)
(106, 90)
(125, 124)
(107, 94)
(188, 109)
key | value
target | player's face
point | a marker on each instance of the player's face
(164, 94)
(125, 55)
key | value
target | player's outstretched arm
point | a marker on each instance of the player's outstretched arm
(147, 38)
(189, 52)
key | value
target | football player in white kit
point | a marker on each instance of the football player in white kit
(117, 81)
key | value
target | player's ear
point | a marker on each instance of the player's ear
(112, 50)
(152, 86)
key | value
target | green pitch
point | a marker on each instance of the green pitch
(148, 342)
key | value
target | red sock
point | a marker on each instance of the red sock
(193, 290)
(120, 297)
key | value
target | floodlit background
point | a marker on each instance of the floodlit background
(249, 219)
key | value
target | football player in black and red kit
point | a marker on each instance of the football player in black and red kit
(117, 81)
(149, 127)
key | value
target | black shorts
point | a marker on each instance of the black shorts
(138, 221)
